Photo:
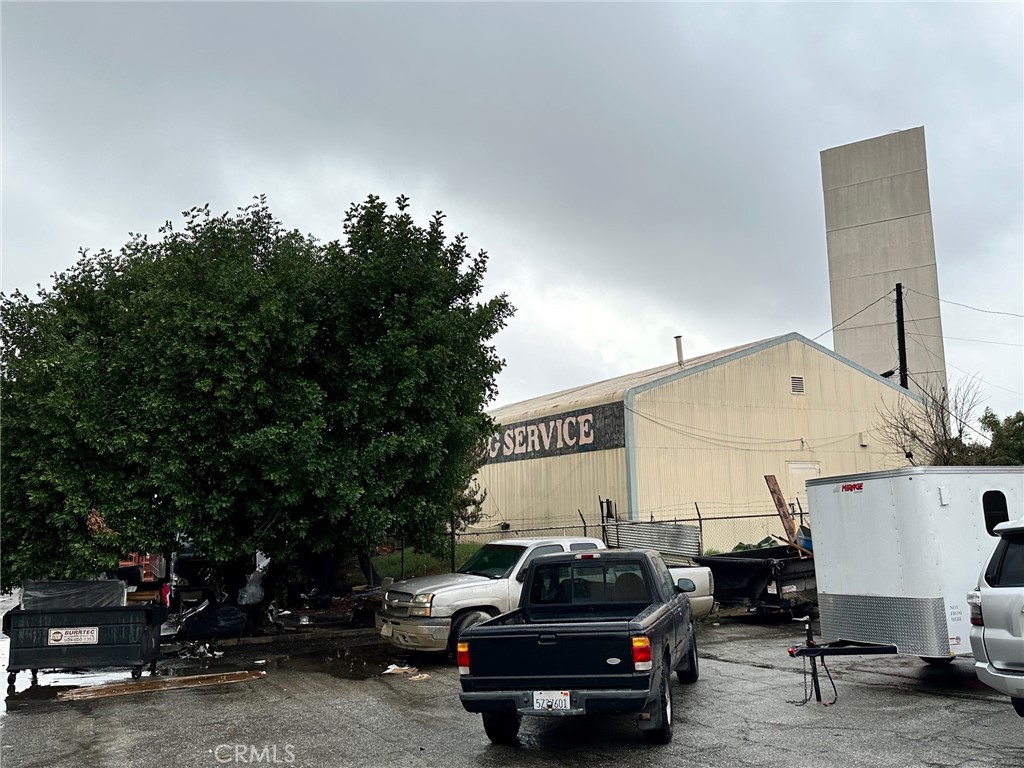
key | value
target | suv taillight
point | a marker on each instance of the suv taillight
(974, 600)
(462, 654)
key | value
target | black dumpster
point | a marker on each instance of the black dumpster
(48, 633)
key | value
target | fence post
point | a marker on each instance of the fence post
(580, 512)
(700, 527)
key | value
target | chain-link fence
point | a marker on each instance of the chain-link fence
(484, 537)
(716, 534)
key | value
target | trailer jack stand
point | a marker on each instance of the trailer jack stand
(818, 653)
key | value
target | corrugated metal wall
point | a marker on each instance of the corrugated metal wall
(711, 437)
(549, 491)
(707, 440)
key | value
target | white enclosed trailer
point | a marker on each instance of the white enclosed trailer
(896, 552)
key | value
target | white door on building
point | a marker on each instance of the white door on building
(798, 472)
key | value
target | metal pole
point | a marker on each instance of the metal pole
(814, 663)
(452, 547)
(700, 527)
(580, 512)
(901, 336)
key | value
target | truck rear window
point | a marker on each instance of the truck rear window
(562, 584)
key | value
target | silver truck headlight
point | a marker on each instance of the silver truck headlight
(421, 604)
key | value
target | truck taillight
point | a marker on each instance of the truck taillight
(642, 654)
(462, 654)
(974, 600)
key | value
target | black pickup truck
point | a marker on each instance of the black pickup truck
(594, 632)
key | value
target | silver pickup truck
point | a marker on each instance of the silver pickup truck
(429, 613)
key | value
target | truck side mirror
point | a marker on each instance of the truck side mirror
(521, 576)
(686, 585)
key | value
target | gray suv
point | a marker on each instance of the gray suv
(997, 616)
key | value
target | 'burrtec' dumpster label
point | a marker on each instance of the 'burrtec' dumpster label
(73, 636)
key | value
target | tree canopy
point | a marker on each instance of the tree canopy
(937, 430)
(247, 387)
(1007, 444)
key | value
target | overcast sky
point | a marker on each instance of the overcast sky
(634, 171)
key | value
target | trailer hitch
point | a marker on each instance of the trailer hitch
(817, 653)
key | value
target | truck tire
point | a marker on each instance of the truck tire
(464, 622)
(1018, 705)
(691, 671)
(501, 727)
(663, 733)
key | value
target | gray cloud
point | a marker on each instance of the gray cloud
(623, 162)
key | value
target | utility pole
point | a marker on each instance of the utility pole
(901, 336)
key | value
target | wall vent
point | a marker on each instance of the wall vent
(797, 384)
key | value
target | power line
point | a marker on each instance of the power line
(949, 413)
(967, 306)
(938, 363)
(986, 383)
(957, 338)
(869, 306)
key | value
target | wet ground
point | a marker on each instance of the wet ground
(326, 702)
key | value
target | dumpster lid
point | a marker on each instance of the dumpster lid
(56, 595)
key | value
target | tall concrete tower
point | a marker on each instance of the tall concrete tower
(878, 223)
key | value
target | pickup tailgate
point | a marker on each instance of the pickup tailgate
(584, 655)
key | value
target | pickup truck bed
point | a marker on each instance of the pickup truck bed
(604, 637)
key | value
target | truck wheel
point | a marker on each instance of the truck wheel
(663, 733)
(501, 727)
(691, 671)
(1018, 705)
(463, 623)
(11, 677)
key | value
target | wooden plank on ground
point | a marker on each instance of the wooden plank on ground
(162, 684)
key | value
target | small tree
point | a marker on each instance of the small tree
(1007, 445)
(935, 431)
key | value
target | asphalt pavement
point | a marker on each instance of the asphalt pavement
(324, 702)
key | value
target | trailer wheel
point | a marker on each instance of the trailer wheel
(11, 677)
(137, 672)
(937, 661)
(663, 733)
(691, 672)
(501, 727)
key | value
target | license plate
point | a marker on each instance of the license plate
(385, 630)
(551, 700)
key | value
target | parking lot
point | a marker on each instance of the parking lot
(324, 702)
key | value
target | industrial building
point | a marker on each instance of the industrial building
(878, 226)
(695, 435)
(696, 438)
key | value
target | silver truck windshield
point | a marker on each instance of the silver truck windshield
(495, 561)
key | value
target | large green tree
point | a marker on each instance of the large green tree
(245, 386)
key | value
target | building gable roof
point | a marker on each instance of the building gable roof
(616, 389)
